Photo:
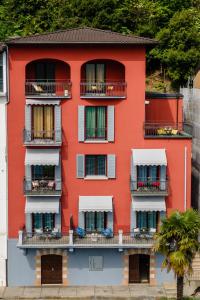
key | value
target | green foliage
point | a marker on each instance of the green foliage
(175, 23)
(178, 241)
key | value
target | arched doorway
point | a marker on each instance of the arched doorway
(51, 269)
(139, 265)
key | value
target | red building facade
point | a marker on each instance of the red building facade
(94, 162)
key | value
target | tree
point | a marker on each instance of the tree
(177, 240)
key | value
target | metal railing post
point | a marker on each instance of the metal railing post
(120, 232)
(71, 242)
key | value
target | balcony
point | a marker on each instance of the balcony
(165, 130)
(119, 240)
(149, 187)
(42, 187)
(48, 89)
(105, 90)
(42, 138)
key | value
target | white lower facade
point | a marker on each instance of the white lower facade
(3, 191)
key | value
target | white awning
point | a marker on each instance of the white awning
(42, 102)
(95, 203)
(148, 204)
(149, 157)
(42, 205)
(42, 157)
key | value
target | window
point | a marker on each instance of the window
(146, 173)
(45, 222)
(95, 221)
(95, 73)
(95, 263)
(1, 72)
(95, 165)
(95, 119)
(43, 172)
(45, 71)
(146, 219)
(43, 121)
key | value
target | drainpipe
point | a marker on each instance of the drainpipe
(185, 178)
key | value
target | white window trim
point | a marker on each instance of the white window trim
(96, 177)
(96, 141)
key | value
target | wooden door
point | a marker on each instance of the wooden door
(51, 269)
(144, 265)
(134, 271)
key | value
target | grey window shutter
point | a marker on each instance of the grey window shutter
(110, 220)
(133, 218)
(28, 178)
(81, 123)
(111, 123)
(111, 161)
(57, 116)
(163, 178)
(81, 219)
(28, 223)
(28, 126)
(58, 220)
(80, 166)
(58, 176)
(133, 175)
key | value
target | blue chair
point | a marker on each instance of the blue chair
(107, 232)
(80, 232)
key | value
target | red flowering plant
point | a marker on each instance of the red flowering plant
(141, 184)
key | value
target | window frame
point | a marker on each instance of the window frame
(96, 165)
(43, 221)
(96, 122)
(147, 219)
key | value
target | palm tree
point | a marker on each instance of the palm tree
(177, 240)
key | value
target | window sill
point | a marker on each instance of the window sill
(96, 177)
(96, 141)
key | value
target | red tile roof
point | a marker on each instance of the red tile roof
(82, 36)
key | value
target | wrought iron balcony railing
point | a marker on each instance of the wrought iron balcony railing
(43, 186)
(149, 186)
(119, 239)
(48, 88)
(164, 130)
(44, 137)
(112, 89)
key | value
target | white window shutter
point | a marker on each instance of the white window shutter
(111, 123)
(81, 123)
(80, 165)
(111, 161)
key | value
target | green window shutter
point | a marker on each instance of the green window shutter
(153, 173)
(142, 173)
(90, 221)
(48, 221)
(143, 219)
(152, 219)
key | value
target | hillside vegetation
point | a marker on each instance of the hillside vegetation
(174, 23)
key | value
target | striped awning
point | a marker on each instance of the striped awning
(95, 203)
(42, 205)
(148, 204)
(42, 102)
(42, 157)
(149, 157)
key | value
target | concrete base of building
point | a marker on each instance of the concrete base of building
(82, 267)
(3, 263)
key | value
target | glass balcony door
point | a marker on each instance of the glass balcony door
(43, 122)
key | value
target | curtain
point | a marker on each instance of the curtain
(142, 173)
(142, 219)
(38, 121)
(37, 172)
(90, 165)
(90, 122)
(101, 165)
(153, 173)
(100, 73)
(48, 221)
(100, 221)
(101, 122)
(90, 221)
(48, 121)
(37, 224)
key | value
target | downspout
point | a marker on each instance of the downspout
(185, 178)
